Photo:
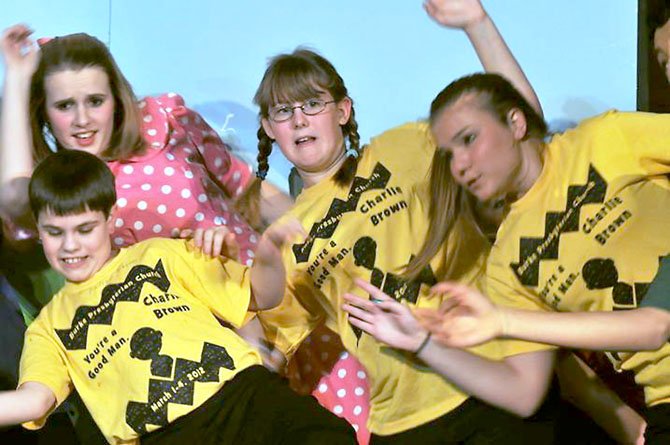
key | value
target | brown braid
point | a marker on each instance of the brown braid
(264, 151)
(346, 173)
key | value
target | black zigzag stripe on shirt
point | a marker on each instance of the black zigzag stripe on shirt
(146, 344)
(325, 227)
(532, 250)
(102, 314)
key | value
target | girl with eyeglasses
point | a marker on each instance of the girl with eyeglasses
(365, 212)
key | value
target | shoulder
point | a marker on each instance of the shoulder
(409, 133)
(156, 245)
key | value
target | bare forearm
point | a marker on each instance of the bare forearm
(15, 138)
(608, 331)
(495, 56)
(581, 386)
(268, 282)
(495, 382)
(30, 402)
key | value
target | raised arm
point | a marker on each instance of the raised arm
(493, 52)
(518, 383)
(21, 57)
(31, 401)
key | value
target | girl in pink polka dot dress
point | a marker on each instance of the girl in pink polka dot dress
(173, 171)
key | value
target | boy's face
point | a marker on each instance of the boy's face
(76, 245)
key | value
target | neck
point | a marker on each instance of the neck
(529, 170)
(312, 178)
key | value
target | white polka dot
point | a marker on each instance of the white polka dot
(250, 253)
(173, 141)
(166, 189)
(218, 220)
(341, 392)
(171, 94)
(148, 169)
(142, 205)
(180, 213)
(139, 225)
(152, 132)
(118, 222)
(337, 409)
(118, 241)
(199, 216)
(342, 373)
(202, 197)
(218, 162)
(169, 156)
(146, 187)
(361, 374)
(236, 176)
(142, 104)
(236, 217)
(121, 202)
(188, 151)
(125, 186)
(185, 193)
(169, 171)
(157, 228)
(357, 410)
(148, 118)
(344, 355)
(156, 144)
(239, 190)
(161, 209)
(238, 230)
(325, 338)
(249, 263)
(253, 239)
(168, 109)
(323, 388)
(128, 169)
(359, 391)
(188, 174)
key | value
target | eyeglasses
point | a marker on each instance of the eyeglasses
(310, 107)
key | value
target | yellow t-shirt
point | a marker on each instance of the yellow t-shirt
(589, 234)
(140, 340)
(370, 230)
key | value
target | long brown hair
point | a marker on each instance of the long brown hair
(451, 211)
(289, 78)
(75, 52)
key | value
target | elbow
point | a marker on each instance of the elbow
(528, 408)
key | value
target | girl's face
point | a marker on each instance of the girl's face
(314, 144)
(80, 108)
(483, 153)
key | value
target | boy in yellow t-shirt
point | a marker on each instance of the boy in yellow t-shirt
(137, 331)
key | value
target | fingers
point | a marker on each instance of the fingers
(374, 292)
(286, 231)
(357, 312)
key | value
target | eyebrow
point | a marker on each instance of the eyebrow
(78, 226)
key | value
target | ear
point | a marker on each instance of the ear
(344, 110)
(516, 120)
(110, 219)
(267, 126)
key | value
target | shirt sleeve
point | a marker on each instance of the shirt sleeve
(222, 284)
(230, 172)
(42, 362)
(646, 138)
(658, 294)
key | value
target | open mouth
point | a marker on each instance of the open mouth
(304, 140)
(85, 138)
(72, 261)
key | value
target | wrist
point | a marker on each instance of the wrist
(425, 339)
(478, 25)
(504, 316)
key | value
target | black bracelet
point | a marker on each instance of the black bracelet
(423, 344)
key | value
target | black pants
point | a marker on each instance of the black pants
(476, 423)
(256, 407)
(658, 425)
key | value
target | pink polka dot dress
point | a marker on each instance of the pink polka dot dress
(185, 180)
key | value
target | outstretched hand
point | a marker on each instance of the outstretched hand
(455, 13)
(466, 318)
(387, 320)
(282, 231)
(19, 51)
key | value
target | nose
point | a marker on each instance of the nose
(81, 118)
(70, 242)
(460, 163)
(299, 119)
